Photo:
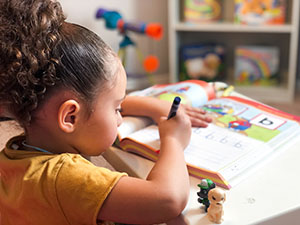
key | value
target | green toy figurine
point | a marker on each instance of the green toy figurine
(205, 186)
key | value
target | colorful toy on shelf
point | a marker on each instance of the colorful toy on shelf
(259, 12)
(205, 186)
(199, 11)
(215, 212)
(256, 65)
(114, 21)
(202, 61)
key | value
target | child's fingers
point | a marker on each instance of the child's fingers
(198, 123)
(193, 109)
(196, 114)
(199, 116)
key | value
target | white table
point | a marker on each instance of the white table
(269, 196)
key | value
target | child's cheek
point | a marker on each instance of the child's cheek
(112, 135)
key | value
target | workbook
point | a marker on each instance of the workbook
(244, 133)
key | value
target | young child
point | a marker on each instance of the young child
(66, 87)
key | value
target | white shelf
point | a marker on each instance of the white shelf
(231, 35)
(230, 27)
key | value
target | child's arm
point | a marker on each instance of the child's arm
(163, 195)
(155, 108)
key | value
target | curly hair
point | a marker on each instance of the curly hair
(39, 51)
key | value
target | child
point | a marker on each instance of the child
(66, 87)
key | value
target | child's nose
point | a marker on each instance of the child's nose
(120, 120)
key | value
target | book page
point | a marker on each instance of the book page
(148, 136)
(252, 119)
(214, 148)
(211, 148)
(242, 134)
(131, 124)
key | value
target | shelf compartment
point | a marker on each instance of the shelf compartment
(231, 35)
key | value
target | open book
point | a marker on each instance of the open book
(244, 134)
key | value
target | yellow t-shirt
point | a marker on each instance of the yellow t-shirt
(40, 188)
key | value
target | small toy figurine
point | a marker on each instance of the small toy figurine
(205, 186)
(215, 211)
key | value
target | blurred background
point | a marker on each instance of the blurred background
(228, 31)
(154, 11)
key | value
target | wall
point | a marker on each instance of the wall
(83, 13)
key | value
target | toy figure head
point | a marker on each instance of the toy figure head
(205, 186)
(216, 196)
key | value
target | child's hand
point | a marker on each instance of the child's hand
(176, 129)
(197, 116)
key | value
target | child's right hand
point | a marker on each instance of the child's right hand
(165, 191)
(177, 129)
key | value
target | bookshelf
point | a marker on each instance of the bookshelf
(231, 35)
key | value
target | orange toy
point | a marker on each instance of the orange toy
(151, 63)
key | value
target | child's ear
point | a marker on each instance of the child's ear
(68, 113)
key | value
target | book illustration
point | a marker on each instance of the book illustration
(169, 95)
(259, 12)
(246, 120)
(256, 65)
(202, 61)
(199, 11)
